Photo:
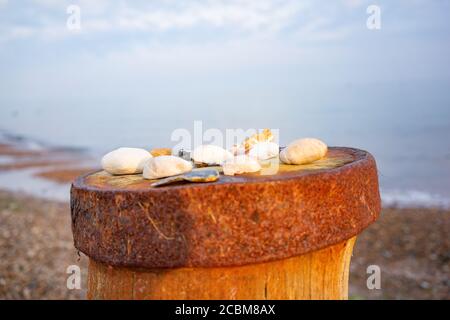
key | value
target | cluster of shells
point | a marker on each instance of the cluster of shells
(243, 158)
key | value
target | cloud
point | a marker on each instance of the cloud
(244, 15)
(235, 16)
(307, 19)
(198, 35)
(130, 50)
(353, 3)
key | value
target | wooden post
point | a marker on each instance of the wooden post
(285, 236)
(322, 274)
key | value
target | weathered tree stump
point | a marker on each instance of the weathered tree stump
(285, 235)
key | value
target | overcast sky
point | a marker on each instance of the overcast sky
(147, 42)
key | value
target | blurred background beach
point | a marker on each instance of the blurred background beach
(135, 72)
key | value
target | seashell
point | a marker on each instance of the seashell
(210, 154)
(125, 161)
(198, 175)
(161, 152)
(165, 166)
(240, 164)
(265, 136)
(264, 150)
(303, 151)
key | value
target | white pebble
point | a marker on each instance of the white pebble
(240, 164)
(210, 154)
(165, 166)
(264, 150)
(303, 151)
(125, 161)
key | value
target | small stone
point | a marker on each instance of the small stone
(303, 151)
(161, 152)
(240, 164)
(211, 155)
(165, 166)
(425, 285)
(265, 150)
(125, 161)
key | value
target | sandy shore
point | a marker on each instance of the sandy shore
(411, 246)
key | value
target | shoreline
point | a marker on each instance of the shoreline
(39, 172)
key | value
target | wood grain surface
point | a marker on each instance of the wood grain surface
(318, 275)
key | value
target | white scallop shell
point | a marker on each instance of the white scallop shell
(210, 154)
(303, 151)
(165, 166)
(240, 164)
(125, 161)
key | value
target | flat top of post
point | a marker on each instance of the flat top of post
(272, 170)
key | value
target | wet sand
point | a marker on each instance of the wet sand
(44, 172)
(64, 175)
